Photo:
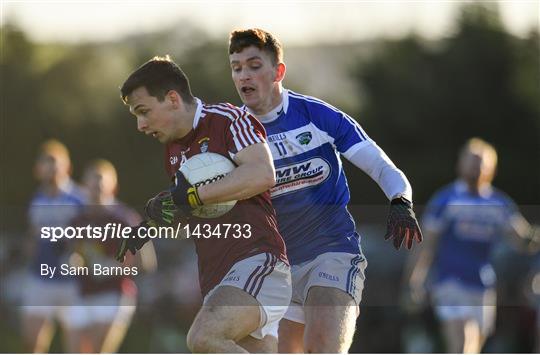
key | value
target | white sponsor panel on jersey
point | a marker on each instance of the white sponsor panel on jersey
(300, 175)
(297, 141)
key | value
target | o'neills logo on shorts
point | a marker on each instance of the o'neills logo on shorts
(300, 175)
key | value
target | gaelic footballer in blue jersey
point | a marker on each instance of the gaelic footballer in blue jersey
(463, 221)
(56, 201)
(307, 136)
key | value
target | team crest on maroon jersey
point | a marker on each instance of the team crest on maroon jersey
(173, 159)
(183, 154)
(204, 144)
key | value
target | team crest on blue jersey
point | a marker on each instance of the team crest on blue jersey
(304, 138)
(204, 144)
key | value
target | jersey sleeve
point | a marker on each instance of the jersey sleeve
(433, 217)
(510, 208)
(243, 131)
(344, 132)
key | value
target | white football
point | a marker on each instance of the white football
(205, 168)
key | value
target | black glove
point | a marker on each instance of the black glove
(185, 195)
(402, 223)
(162, 210)
(133, 243)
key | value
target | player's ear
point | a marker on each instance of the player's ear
(174, 98)
(280, 72)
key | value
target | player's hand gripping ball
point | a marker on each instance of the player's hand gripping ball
(199, 170)
(402, 224)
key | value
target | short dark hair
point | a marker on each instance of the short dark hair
(265, 41)
(159, 75)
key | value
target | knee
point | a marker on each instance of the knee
(329, 337)
(198, 340)
(318, 343)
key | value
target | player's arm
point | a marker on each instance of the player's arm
(418, 265)
(374, 162)
(254, 175)
(402, 225)
(353, 142)
(524, 236)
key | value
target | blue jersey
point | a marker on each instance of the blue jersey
(468, 226)
(52, 211)
(311, 192)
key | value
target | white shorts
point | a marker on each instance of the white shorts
(58, 300)
(452, 301)
(104, 308)
(343, 271)
(268, 280)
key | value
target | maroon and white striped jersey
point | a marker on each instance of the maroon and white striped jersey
(225, 129)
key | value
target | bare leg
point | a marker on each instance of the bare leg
(118, 329)
(330, 320)
(454, 335)
(291, 337)
(473, 337)
(38, 332)
(229, 315)
(267, 345)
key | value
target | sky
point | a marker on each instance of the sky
(295, 22)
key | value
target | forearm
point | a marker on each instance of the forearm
(374, 162)
(246, 181)
(418, 269)
(524, 236)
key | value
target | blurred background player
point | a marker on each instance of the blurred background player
(108, 302)
(245, 281)
(306, 137)
(45, 299)
(462, 223)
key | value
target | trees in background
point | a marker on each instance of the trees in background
(423, 100)
(419, 100)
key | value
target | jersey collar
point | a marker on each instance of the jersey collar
(485, 191)
(198, 112)
(273, 115)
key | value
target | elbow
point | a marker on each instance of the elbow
(270, 179)
(266, 179)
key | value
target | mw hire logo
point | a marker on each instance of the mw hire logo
(307, 173)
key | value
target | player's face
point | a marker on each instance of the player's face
(256, 79)
(51, 167)
(154, 117)
(100, 185)
(475, 168)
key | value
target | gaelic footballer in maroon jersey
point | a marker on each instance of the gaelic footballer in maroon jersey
(225, 129)
(249, 272)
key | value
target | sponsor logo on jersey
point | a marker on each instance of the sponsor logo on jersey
(304, 138)
(304, 174)
(204, 144)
